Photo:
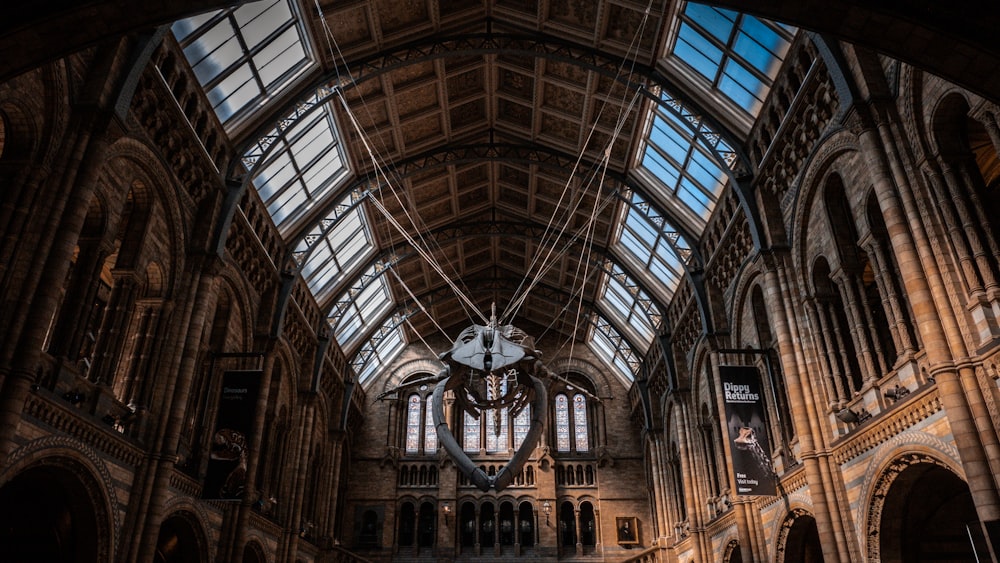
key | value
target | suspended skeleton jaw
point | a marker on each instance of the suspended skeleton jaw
(485, 349)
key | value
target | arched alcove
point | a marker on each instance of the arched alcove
(180, 541)
(253, 553)
(48, 514)
(799, 539)
(927, 515)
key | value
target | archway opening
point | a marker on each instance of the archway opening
(177, 542)
(46, 514)
(526, 525)
(929, 515)
(802, 545)
(253, 553)
(733, 553)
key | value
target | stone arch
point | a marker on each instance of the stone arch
(182, 539)
(132, 162)
(17, 136)
(896, 480)
(597, 376)
(732, 552)
(253, 551)
(406, 370)
(55, 508)
(797, 539)
(833, 153)
(85, 467)
(154, 280)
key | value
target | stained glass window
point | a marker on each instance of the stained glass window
(470, 433)
(430, 433)
(522, 423)
(496, 436)
(580, 423)
(562, 424)
(413, 425)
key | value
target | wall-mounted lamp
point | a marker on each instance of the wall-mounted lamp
(896, 393)
(546, 508)
(446, 508)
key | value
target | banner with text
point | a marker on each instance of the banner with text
(748, 442)
(227, 464)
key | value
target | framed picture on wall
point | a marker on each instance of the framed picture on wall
(627, 530)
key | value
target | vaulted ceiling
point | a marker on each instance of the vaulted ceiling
(424, 159)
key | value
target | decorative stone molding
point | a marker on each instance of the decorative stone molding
(781, 539)
(891, 429)
(82, 461)
(876, 500)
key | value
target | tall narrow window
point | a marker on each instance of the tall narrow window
(580, 423)
(522, 423)
(413, 425)
(562, 423)
(496, 422)
(430, 433)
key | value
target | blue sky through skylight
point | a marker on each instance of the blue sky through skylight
(243, 56)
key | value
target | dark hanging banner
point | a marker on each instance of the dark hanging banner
(748, 442)
(227, 464)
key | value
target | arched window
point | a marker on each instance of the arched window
(522, 423)
(421, 436)
(580, 422)
(495, 429)
(430, 433)
(413, 424)
(572, 425)
(562, 423)
(496, 422)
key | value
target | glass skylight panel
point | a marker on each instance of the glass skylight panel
(360, 306)
(738, 54)
(305, 165)
(243, 56)
(681, 168)
(624, 300)
(381, 349)
(337, 252)
(611, 347)
(646, 242)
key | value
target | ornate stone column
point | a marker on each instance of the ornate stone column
(86, 150)
(805, 413)
(924, 286)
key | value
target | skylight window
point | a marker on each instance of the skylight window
(623, 299)
(304, 166)
(368, 299)
(738, 54)
(611, 347)
(335, 248)
(244, 56)
(644, 239)
(381, 349)
(681, 168)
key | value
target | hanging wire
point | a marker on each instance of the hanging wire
(378, 169)
(624, 110)
(541, 262)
